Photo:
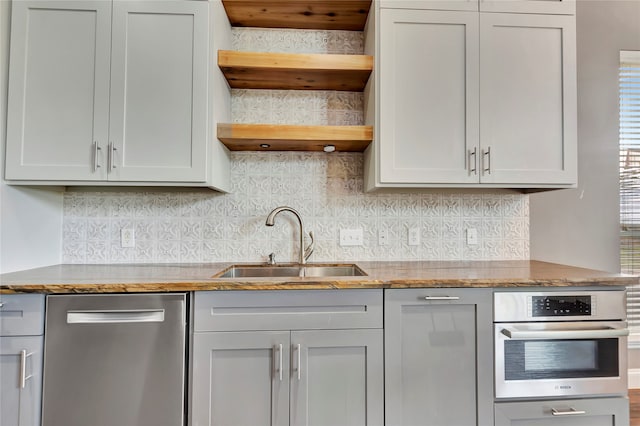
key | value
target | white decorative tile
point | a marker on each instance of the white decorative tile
(74, 229)
(184, 225)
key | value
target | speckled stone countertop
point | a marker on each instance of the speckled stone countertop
(195, 277)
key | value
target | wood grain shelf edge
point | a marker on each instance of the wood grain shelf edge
(249, 137)
(295, 71)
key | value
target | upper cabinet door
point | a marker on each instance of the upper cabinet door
(158, 128)
(528, 99)
(556, 7)
(57, 122)
(428, 100)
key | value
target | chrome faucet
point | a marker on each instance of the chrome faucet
(304, 252)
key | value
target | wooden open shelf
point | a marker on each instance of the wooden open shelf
(248, 137)
(295, 71)
(306, 14)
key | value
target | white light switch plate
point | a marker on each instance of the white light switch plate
(414, 236)
(472, 236)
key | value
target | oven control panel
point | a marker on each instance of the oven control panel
(560, 306)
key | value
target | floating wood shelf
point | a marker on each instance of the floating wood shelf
(294, 71)
(249, 137)
(306, 14)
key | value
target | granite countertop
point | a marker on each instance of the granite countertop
(123, 278)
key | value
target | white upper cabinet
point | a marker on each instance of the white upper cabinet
(113, 93)
(428, 108)
(527, 99)
(58, 112)
(158, 125)
(472, 99)
(559, 7)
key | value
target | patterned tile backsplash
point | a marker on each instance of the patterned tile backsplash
(327, 189)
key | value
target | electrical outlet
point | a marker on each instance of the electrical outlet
(414, 236)
(383, 236)
(472, 236)
(351, 237)
(127, 238)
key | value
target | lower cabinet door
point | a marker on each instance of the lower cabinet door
(20, 380)
(568, 412)
(336, 378)
(240, 379)
(438, 357)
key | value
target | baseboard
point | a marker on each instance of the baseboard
(634, 378)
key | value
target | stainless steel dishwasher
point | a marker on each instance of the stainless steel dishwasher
(115, 360)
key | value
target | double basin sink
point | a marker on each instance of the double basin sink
(284, 271)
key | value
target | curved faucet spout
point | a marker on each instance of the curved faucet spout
(304, 253)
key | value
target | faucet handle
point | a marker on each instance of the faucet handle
(272, 259)
(309, 250)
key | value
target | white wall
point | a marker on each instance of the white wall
(580, 226)
(30, 219)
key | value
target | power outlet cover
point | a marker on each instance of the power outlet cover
(351, 237)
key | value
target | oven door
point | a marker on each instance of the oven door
(560, 359)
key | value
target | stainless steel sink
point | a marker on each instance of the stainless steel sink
(275, 271)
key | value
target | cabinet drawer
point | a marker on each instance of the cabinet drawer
(568, 412)
(21, 314)
(287, 310)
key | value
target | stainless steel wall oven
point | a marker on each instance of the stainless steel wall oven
(560, 343)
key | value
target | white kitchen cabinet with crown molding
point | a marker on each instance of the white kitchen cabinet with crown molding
(470, 99)
(101, 93)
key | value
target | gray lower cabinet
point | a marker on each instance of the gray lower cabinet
(21, 349)
(20, 380)
(240, 378)
(323, 374)
(438, 357)
(566, 412)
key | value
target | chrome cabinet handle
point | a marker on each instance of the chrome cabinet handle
(299, 359)
(278, 366)
(96, 156)
(1, 304)
(23, 368)
(112, 153)
(570, 412)
(441, 298)
(486, 154)
(565, 334)
(473, 154)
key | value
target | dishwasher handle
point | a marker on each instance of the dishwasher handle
(115, 316)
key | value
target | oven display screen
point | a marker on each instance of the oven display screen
(560, 306)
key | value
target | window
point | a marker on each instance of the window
(630, 181)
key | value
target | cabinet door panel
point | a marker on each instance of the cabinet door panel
(336, 378)
(159, 91)
(528, 99)
(238, 380)
(438, 358)
(20, 406)
(428, 96)
(59, 90)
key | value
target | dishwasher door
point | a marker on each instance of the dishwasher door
(115, 360)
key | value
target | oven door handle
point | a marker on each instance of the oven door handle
(565, 334)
